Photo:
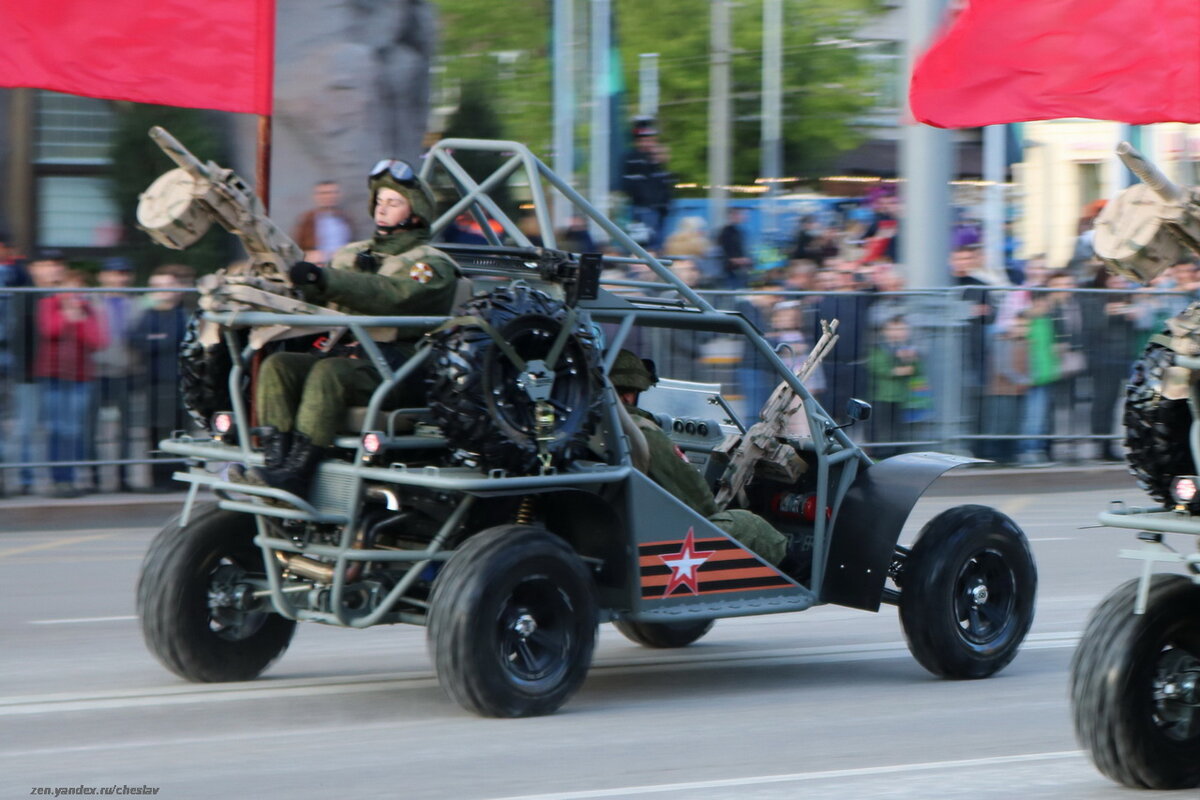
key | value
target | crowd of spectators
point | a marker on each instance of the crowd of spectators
(88, 373)
(1023, 367)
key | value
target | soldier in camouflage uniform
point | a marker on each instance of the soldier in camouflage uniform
(301, 397)
(671, 470)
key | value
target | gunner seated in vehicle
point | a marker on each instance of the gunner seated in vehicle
(301, 398)
(669, 468)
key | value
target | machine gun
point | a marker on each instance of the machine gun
(1150, 226)
(181, 205)
(765, 446)
(179, 208)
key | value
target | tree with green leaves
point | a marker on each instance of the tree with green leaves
(476, 118)
(505, 49)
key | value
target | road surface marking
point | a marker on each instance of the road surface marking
(16, 551)
(1053, 539)
(78, 620)
(798, 777)
(19, 705)
(187, 741)
(1015, 505)
(170, 696)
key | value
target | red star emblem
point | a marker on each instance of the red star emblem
(685, 563)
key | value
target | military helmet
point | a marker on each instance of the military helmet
(631, 372)
(399, 175)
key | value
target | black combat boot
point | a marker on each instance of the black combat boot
(297, 468)
(797, 562)
(275, 445)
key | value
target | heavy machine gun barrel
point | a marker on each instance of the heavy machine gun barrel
(1149, 174)
(179, 154)
(212, 193)
(1150, 226)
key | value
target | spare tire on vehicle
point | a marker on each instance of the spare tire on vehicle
(510, 353)
(1156, 427)
(203, 373)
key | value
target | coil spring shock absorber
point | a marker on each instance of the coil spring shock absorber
(525, 511)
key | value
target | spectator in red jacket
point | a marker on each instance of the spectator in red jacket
(69, 331)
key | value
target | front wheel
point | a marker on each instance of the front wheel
(512, 622)
(966, 592)
(1135, 686)
(194, 599)
(663, 634)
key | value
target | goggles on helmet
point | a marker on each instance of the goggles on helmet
(400, 171)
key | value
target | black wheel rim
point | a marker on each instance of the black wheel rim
(225, 619)
(985, 594)
(532, 338)
(1176, 694)
(533, 629)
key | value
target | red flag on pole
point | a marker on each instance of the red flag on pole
(215, 54)
(1135, 61)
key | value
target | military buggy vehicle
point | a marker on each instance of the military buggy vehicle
(510, 515)
(1135, 679)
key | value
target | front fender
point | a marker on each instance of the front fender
(869, 521)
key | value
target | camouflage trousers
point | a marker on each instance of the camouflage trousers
(305, 393)
(754, 532)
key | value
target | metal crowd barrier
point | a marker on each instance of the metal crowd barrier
(91, 418)
(88, 386)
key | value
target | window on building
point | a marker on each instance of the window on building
(72, 137)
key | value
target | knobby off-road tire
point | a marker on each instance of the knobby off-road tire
(663, 634)
(966, 592)
(1156, 429)
(512, 623)
(1133, 709)
(475, 392)
(184, 623)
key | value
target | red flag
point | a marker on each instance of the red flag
(212, 54)
(1135, 61)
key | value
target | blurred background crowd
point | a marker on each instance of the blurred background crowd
(1026, 367)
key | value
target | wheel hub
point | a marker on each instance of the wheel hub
(537, 380)
(1176, 693)
(1191, 689)
(985, 595)
(233, 611)
(1185, 689)
(524, 626)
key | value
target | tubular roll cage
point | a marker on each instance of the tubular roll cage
(340, 485)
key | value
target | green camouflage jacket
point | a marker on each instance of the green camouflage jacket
(417, 282)
(669, 469)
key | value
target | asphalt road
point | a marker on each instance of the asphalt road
(827, 703)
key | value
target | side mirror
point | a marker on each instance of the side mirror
(858, 410)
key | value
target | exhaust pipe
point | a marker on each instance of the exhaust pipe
(306, 567)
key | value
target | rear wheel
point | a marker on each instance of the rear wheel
(966, 592)
(512, 623)
(195, 600)
(663, 634)
(1135, 686)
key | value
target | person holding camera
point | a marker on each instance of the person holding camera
(301, 398)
